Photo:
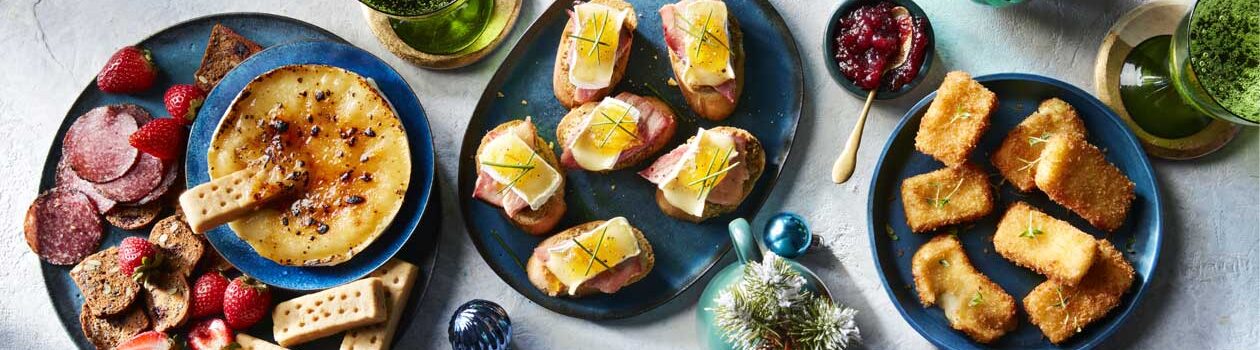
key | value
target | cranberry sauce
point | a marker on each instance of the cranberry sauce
(870, 39)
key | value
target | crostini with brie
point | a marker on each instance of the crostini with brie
(518, 171)
(594, 51)
(706, 50)
(595, 257)
(615, 133)
(708, 176)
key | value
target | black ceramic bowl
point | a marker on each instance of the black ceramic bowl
(829, 47)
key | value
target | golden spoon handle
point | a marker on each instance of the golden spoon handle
(843, 169)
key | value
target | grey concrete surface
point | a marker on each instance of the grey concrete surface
(1204, 295)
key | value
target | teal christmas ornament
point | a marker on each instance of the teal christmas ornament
(787, 235)
(479, 325)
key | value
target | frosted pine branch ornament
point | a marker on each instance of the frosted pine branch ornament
(771, 303)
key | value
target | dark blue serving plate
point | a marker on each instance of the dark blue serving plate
(177, 51)
(769, 108)
(395, 88)
(1018, 96)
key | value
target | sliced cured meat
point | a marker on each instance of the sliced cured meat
(96, 144)
(67, 178)
(659, 171)
(142, 179)
(168, 179)
(136, 112)
(62, 226)
(612, 280)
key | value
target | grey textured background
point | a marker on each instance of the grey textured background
(1204, 295)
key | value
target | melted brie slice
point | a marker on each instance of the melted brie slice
(613, 242)
(702, 167)
(513, 164)
(609, 129)
(596, 38)
(707, 43)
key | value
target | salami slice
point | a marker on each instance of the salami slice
(145, 176)
(136, 112)
(62, 226)
(96, 144)
(66, 178)
(168, 180)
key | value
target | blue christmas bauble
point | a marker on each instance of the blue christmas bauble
(480, 325)
(787, 235)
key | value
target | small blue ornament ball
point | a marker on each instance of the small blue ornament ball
(480, 325)
(787, 235)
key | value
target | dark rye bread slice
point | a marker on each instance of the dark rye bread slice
(181, 247)
(106, 289)
(167, 301)
(224, 51)
(545, 281)
(755, 159)
(106, 332)
(131, 218)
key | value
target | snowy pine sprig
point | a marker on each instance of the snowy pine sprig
(770, 308)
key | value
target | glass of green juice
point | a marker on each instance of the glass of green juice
(1209, 68)
(438, 26)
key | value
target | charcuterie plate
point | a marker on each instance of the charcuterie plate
(769, 108)
(893, 244)
(177, 51)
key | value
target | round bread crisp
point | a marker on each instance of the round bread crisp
(755, 160)
(546, 282)
(106, 289)
(106, 332)
(97, 144)
(131, 218)
(62, 226)
(181, 247)
(358, 154)
(138, 182)
(167, 300)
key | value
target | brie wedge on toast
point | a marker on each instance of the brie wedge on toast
(599, 256)
(517, 171)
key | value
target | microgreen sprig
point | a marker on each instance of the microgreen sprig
(939, 202)
(1028, 164)
(1032, 231)
(944, 262)
(976, 299)
(1033, 140)
(959, 113)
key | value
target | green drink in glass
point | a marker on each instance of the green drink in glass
(1209, 68)
(438, 26)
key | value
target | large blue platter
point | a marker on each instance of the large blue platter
(1018, 96)
(769, 108)
(395, 88)
(177, 51)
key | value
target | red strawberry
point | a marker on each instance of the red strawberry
(162, 138)
(183, 100)
(138, 258)
(129, 70)
(211, 334)
(207, 295)
(151, 340)
(245, 302)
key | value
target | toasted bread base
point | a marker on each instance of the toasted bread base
(705, 100)
(546, 282)
(755, 160)
(576, 116)
(536, 222)
(564, 90)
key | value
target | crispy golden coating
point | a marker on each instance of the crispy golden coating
(1075, 174)
(1017, 157)
(957, 118)
(1050, 246)
(973, 304)
(946, 197)
(1061, 310)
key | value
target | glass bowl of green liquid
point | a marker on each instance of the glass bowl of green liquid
(1215, 60)
(437, 26)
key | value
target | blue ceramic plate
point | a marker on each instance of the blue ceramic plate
(414, 121)
(177, 51)
(769, 108)
(1018, 96)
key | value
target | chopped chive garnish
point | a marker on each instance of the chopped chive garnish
(593, 257)
(939, 202)
(589, 252)
(1031, 232)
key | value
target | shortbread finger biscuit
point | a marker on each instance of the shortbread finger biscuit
(399, 276)
(248, 342)
(353, 305)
